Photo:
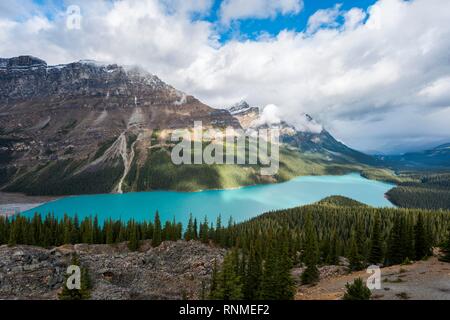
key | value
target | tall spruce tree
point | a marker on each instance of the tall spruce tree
(254, 271)
(157, 232)
(376, 253)
(355, 258)
(77, 294)
(311, 253)
(420, 239)
(133, 238)
(446, 249)
(395, 250)
(228, 284)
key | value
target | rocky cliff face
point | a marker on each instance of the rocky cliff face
(174, 270)
(87, 119)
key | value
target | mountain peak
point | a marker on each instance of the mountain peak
(22, 62)
(241, 108)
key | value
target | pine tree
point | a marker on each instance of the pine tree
(285, 289)
(355, 258)
(108, 230)
(254, 271)
(204, 231)
(133, 243)
(446, 249)
(77, 294)
(376, 254)
(395, 250)
(157, 232)
(333, 252)
(189, 234)
(269, 282)
(420, 239)
(357, 291)
(228, 284)
(311, 273)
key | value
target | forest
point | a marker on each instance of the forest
(263, 250)
(423, 190)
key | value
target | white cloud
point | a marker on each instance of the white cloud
(243, 9)
(438, 91)
(353, 18)
(376, 79)
(270, 114)
(324, 18)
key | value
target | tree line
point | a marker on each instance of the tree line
(429, 191)
(263, 250)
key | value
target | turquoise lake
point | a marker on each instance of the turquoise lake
(242, 204)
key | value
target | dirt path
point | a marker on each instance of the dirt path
(423, 280)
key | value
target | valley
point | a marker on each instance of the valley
(86, 128)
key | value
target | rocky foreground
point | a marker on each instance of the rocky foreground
(174, 270)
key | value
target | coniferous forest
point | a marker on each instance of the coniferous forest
(264, 249)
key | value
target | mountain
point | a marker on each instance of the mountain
(88, 127)
(62, 126)
(316, 140)
(435, 158)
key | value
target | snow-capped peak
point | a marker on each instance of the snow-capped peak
(239, 108)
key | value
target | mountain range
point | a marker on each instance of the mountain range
(87, 127)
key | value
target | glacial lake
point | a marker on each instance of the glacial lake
(242, 204)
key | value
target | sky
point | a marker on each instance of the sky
(375, 73)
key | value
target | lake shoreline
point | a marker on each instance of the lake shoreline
(239, 204)
(13, 203)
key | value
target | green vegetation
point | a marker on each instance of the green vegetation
(60, 178)
(426, 191)
(357, 291)
(226, 283)
(446, 249)
(385, 175)
(103, 147)
(264, 249)
(159, 173)
(341, 201)
(85, 284)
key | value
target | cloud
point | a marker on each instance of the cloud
(244, 9)
(14, 8)
(353, 18)
(376, 78)
(324, 18)
(270, 114)
(201, 7)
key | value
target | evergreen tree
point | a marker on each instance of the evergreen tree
(77, 294)
(355, 258)
(204, 231)
(228, 284)
(357, 291)
(376, 254)
(133, 239)
(333, 252)
(395, 249)
(189, 233)
(420, 239)
(311, 273)
(109, 232)
(254, 271)
(157, 232)
(446, 249)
